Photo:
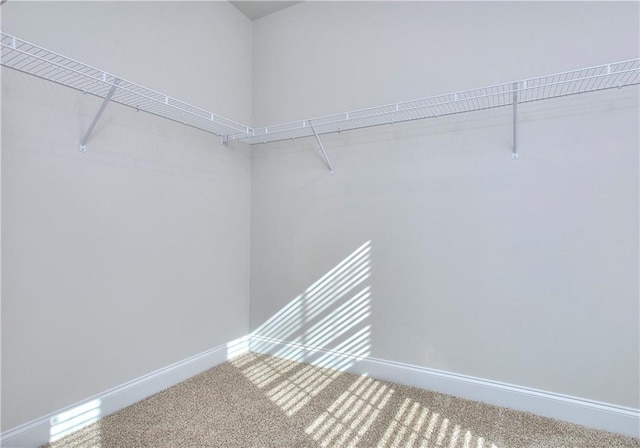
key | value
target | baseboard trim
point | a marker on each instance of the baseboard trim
(38, 432)
(619, 419)
(605, 416)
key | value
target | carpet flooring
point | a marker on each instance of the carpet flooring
(262, 401)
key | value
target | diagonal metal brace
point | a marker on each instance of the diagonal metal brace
(324, 153)
(85, 137)
(514, 155)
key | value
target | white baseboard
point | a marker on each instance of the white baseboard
(590, 413)
(38, 432)
(605, 416)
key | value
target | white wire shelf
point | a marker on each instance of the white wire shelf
(601, 77)
(34, 60)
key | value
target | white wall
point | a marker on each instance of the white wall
(318, 58)
(518, 271)
(134, 255)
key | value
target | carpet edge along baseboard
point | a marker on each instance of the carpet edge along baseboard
(605, 416)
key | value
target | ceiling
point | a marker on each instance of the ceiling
(257, 9)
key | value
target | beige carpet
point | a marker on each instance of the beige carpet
(261, 401)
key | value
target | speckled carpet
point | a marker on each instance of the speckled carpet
(261, 401)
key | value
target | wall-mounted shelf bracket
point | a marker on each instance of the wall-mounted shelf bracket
(514, 155)
(87, 134)
(324, 153)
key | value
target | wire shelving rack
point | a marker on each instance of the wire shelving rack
(34, 60)
(601, 77)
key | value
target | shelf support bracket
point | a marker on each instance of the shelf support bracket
(324, 153)
(87, 134)
(514, 155)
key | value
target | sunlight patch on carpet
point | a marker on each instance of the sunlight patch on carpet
(348, 418)
(415, 425)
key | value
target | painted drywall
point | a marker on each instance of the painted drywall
(134, 255)
(318, 58)
(455, 256)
